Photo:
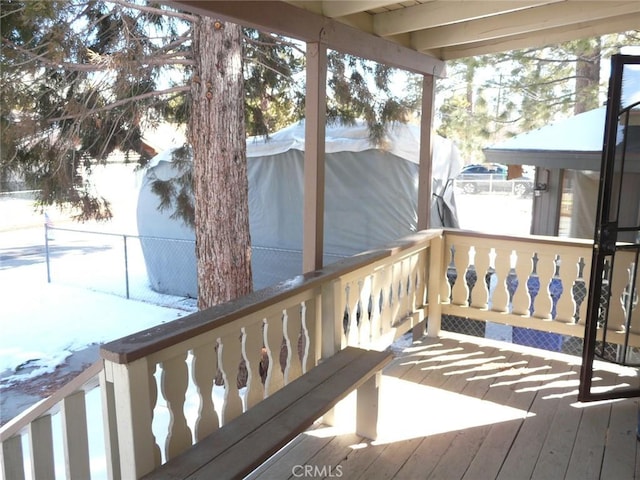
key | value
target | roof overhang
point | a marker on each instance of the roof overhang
(301, 24)
(570, 160)
(435, 29)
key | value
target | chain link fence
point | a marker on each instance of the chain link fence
(106, 262)
(152, 269)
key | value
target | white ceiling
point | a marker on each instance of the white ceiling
(449, 29)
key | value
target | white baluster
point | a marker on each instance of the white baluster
(287, 347)
(307, 322)
(229, 354)
(480, 293)
(364, 333)
(460, 291)
(252, 354)
(204, 373)
(273, 342)
(41, 445)
(500, 298)
(350, 309)
(566, 306)
(12, 459)
(174, 383)
(153, 400)
(546, 267)
(293, 330)
(522, 299)
(74, 436)
(381, 300)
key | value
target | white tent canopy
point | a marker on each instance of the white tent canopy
(370, 198)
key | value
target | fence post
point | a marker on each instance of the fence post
(46, 250)
(126, 266)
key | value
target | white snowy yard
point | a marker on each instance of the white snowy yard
(44, 325)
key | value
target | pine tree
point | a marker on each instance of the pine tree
(82, 79)
(492, 97)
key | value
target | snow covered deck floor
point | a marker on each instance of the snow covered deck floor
(462, 407)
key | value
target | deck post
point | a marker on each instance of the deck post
(435, 277)
(330, 329)
(314, 161)
(425, 166)
(367, 405)
(132, 396)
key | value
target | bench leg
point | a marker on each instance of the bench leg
(368, 399)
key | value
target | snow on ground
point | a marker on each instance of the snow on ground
(42, 323)
(499, 214)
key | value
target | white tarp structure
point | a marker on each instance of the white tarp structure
(575, 145)
(370, 199)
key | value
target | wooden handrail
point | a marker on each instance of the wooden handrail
(86, 380)
(155, 339)
(534, 239)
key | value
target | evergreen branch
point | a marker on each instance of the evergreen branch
(156, 11)
(278, 41)
(181, 40)
(274, 70)
(123, 101)
(98, 62)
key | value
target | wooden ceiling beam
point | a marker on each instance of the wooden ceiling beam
(541, 38)
(439, 13)
(557, 15)
(289, 20)
(343, 8)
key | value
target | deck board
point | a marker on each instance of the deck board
(461, 407)
(619, 443)
(588, 448)
(556, 451)
(527, 445)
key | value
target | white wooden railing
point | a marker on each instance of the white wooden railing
(534, 282)
(34, 429)
(254, 346)
(167, 387)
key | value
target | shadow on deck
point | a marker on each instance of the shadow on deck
(461, 407)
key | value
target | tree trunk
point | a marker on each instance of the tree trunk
(587, 75)
(220, 184)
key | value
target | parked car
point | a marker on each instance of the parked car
(491, 177)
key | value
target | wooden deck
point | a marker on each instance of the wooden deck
(461, 407)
